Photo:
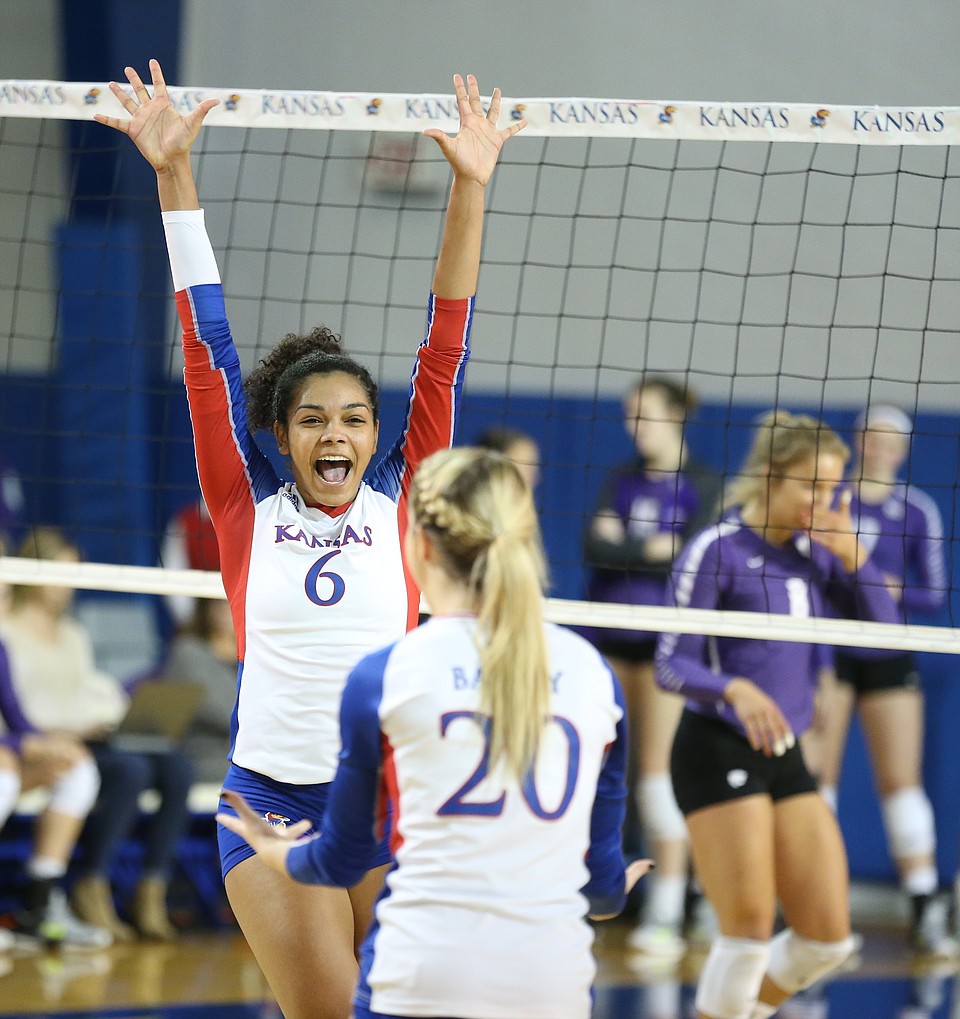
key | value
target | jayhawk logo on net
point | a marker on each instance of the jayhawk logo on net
(276, 820)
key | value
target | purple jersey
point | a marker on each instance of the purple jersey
(647, 505)
(14, 720)
(904, 536)
(730, 567)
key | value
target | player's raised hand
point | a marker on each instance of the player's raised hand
(834, 529)
(162, 135)
(474, 150)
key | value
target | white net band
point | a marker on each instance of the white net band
(840, 632)
(555, 117)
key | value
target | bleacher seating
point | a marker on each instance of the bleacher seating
(196, 888)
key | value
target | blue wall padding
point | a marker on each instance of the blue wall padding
(104, 475)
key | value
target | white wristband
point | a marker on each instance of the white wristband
(192, 261)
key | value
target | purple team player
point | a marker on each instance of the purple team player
(759, 831)
(646, 512)
(903, 531)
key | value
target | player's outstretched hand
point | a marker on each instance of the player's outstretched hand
(474, 150)
(162, 135)
(635, 870)
(269, 842)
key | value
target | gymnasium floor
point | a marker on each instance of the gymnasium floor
(213, 976)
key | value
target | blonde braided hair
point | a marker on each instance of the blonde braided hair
(480, 517)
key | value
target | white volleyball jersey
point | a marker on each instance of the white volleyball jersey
(483, 913)
(311, 590)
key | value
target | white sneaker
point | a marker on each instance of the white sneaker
(7, 940)
(931, 936)
(660, 940)
(61, 926)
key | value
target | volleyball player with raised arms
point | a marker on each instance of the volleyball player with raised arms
(500, 741)
(313, 570)
(759, 830)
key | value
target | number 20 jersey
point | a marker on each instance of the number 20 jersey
(311, 590)
(482, 915)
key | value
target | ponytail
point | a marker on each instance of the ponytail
(480, 516)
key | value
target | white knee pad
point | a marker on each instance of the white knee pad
(75, 791)
(661, 817)
(797, 962)
(908, 820)
(731, 977)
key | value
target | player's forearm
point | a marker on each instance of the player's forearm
(459, 263)
(176, 187)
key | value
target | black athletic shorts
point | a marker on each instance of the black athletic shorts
(871, 675)
(633, 651)
(712, 763)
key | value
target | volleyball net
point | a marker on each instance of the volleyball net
(768, 255)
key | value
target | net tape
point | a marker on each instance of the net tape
(841, 632)
(570, 117)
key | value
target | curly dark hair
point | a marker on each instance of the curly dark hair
(270, 387)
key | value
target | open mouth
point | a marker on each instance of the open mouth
(332, 470)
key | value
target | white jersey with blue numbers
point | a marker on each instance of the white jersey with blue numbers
(311, 589)
(483, 912)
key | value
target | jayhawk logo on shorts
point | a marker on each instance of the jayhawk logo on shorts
(276, 820)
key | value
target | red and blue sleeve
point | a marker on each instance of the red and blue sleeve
(234, 474)
(433, 409)
(604, 890)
